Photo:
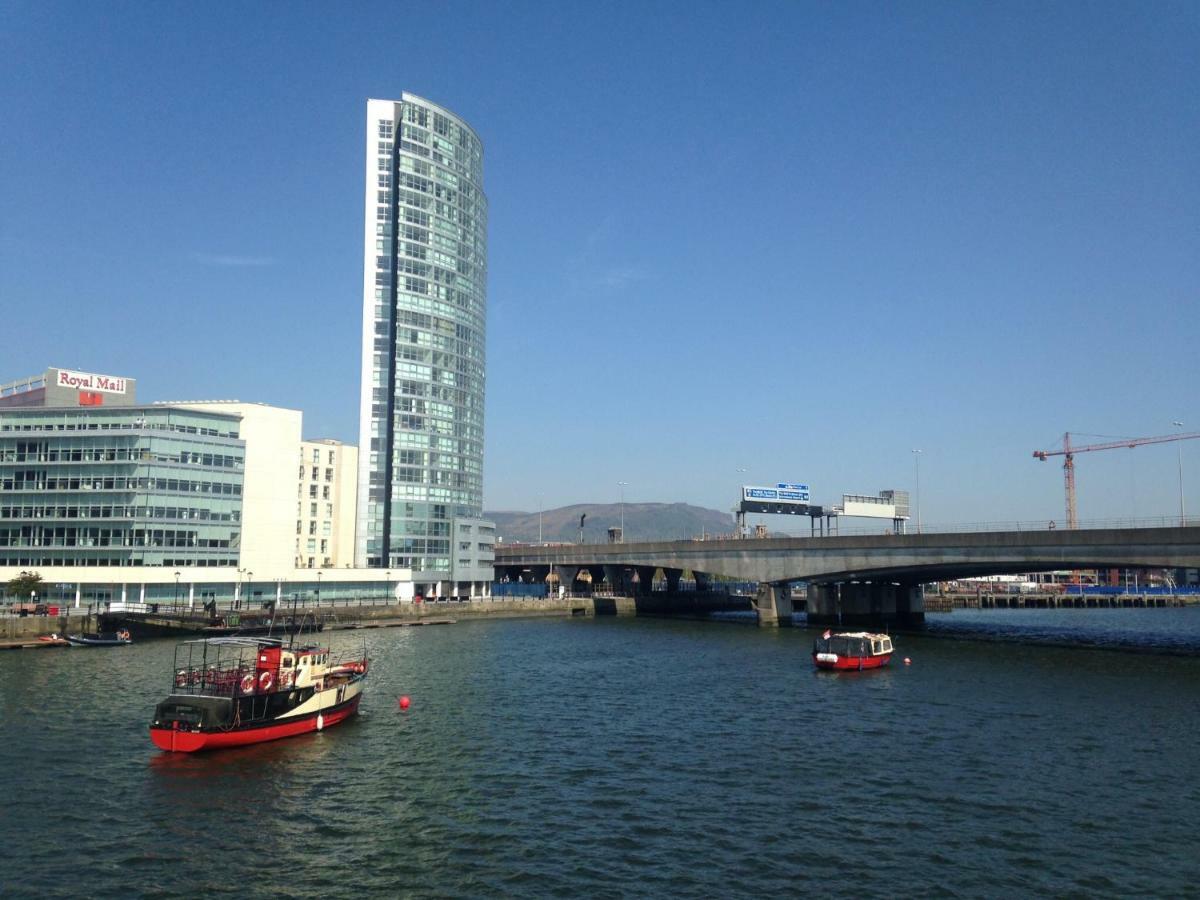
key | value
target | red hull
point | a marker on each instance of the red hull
(853, 663)
(191, 741)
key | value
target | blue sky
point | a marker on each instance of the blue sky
(799, 239)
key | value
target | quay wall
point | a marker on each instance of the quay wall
(22, 628)
(508, 608)
(948, 602)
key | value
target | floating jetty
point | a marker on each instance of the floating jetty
(34, 643)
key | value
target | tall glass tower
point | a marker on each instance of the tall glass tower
(424, 317)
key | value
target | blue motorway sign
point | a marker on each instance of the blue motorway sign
(783, 492)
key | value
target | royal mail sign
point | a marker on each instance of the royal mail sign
(88, 381)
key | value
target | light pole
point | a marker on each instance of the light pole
(738, 510)
(539, 519)
(622, 485)
(237, 602)
(319, 573)
(1179, 450)
(387, 587)
(249, 576)
(917, 492)
(176, 591)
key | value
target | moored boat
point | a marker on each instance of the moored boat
(228, 692)
(852, 650)
(100, 639)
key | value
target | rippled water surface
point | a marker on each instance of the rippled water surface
(608, 758)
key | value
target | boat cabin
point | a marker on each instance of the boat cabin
(854, 645)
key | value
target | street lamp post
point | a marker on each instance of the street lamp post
(387, 587)
(319, 573)
(176, 591)
(237, 602)
(1179, 450)
(917, 492)
(740, 515)
(539, 519)
(622, 485)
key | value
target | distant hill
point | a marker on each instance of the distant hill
(643, 522)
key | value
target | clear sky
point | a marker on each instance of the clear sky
(796, 239)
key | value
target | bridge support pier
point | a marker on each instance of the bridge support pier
(866, 604)
(774, 605)
(566, 576)
(645, 582)
(672, 576)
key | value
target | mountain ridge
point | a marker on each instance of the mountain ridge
(643, 522)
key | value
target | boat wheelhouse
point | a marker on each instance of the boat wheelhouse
(852, 650)
(231, 691)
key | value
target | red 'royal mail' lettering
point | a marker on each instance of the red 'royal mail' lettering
(86, 381)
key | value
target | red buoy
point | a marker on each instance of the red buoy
(404, 701)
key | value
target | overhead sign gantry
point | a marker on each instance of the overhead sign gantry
(793, 499)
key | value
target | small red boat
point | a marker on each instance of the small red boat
(228, 692)
(852, 650)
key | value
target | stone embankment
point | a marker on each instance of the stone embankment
(460, 610)
(19, 631)
(948, 602)
(25, 628)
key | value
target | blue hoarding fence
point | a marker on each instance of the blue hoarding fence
(518, 589)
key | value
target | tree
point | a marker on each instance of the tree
(24, 584)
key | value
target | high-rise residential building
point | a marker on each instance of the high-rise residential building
(424, 290)
(325, 504)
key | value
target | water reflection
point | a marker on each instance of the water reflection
(617, 757)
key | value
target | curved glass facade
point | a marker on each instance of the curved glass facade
(424, 316)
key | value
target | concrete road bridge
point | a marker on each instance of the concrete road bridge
(857, 580)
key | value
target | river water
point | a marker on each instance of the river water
(628, 757)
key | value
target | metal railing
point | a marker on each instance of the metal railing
(884, 528)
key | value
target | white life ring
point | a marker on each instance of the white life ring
(265, 680)
(247, 684)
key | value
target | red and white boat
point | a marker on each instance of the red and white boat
(852, 650)
(228, 692)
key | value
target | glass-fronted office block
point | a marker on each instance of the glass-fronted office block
(130, 486)
(424, 296)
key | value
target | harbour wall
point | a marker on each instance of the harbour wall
(22, 628)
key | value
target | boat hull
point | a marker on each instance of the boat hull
(179, 741)
(851, 663)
